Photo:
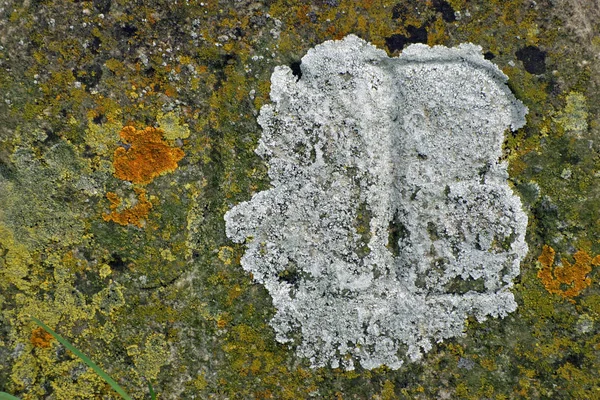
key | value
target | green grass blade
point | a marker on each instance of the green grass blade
(6, 396)
(85, 359)
(151, 389)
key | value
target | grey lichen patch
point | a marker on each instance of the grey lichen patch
(410, 146)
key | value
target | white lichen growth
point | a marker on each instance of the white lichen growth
(390, 219)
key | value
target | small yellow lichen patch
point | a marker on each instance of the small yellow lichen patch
(574, 116)
(151, 357)
(569, 279)
(200, 382)
(146, 157)
(104, 270)
(172, 129)
(15, 261)
(109, 299)
(114, 65)
(167, 255)
(101, 137)
(226, 255)
(40, 338)
(135, 215)
(388, 391)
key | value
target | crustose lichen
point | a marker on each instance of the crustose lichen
(390, 219)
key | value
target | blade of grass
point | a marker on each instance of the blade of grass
(6, 396)
(151, 389)
(85, 359)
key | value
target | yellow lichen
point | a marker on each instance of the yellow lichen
(388, 390)
(15, 261)
(573, 118)
(151, 356)
(114, 65)
(171, 127)
(226, 255)
(566, 280)
(104, 270)
(100, 137)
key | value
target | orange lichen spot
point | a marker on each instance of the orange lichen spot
(146, 156)
(170, 91)
(222, 321)
(566, 280)
(40, 338)
(135, 215)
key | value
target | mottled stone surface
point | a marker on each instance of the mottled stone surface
(164, 299)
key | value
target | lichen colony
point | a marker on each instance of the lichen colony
(390, 219)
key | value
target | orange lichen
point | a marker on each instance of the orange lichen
(40, 338)
(566, 280)
(145, 157)
(221, 323)
(135, 215)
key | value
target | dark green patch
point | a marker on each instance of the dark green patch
(460, 286)
(362, 226)
(396, 233)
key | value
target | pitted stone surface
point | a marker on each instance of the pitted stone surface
(390, 219)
